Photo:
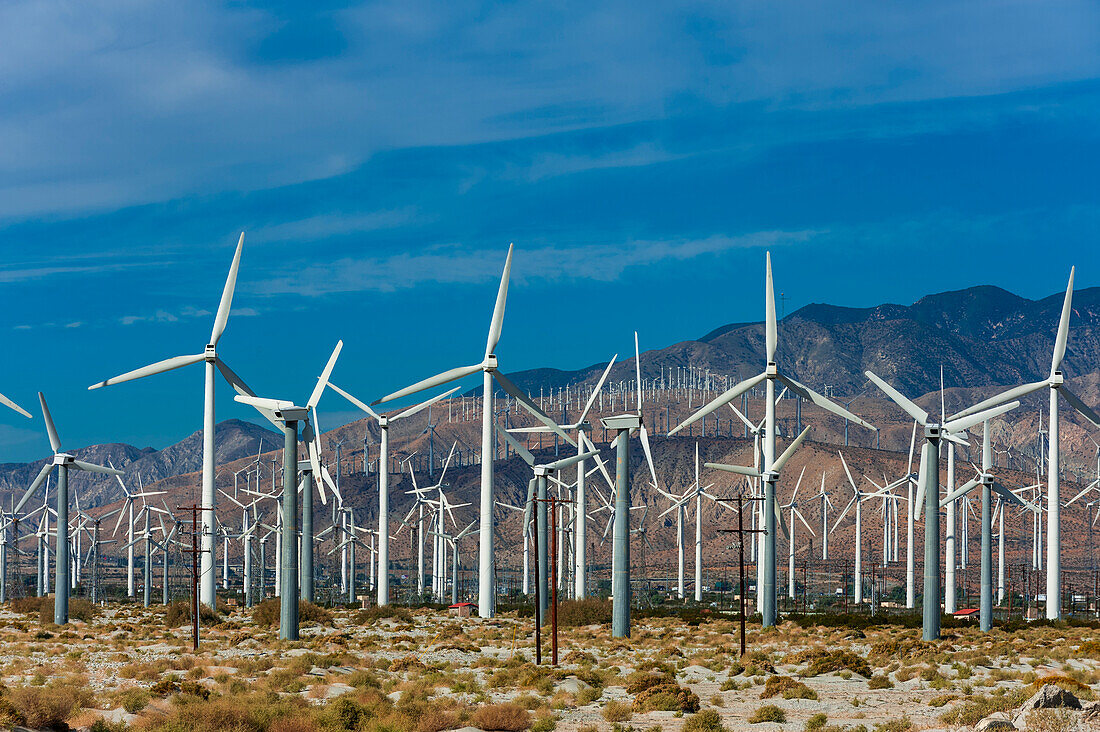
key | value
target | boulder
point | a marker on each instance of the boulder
(572, 685)
(995, 721)
(1051, 697)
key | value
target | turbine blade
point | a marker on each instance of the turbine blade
(12, 405)
(726, 397)
(531, 407)
(520, 449)
(1005, 396)
(227, 295)
(643, 434)
(443, 378)
(595, 392)
(960, 491)
(844, 513)
(1063, 327)
(497, 322)
(322, 380)
(92, 468)
(751, 472)
(771, 333)
(964, 423)
(1083, 409)
(159, 367)
(425, 404)
(638, 370)
(353, 400)
(55, 441)
(33, 487)
(778, 464)
(927, 453)
(571, 460)
(898, 398)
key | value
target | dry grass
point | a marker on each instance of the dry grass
(509, 717)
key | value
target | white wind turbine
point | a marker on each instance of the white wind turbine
(679, 504)
(1056, 383)
(128, 512)
(63, 462)
(212, 362)
(581, 427)
(384, 422)
(488, 367)
(858, 499)
(928, 489)
(823, 496)
(792, 506)
(770, 375)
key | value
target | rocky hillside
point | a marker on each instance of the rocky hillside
(234, 439)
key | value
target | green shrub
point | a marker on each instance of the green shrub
(382, 612)
(43, 707)
(880, 681)
(768, 713)
(269, 613)
(786, 687)
(816, 722)
(591, 611)
(827, 661)
(508, 717)
(707, 720)
(616, 711)
(895, 725)
(134, 700)
(666, 698)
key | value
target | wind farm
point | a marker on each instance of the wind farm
(564, 367)
(382, 538)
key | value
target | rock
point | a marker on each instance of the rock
(317, 671)
(1049, 697)
(342, 670)
(337, 689)
(995, 721)
(1092, 713)
(572, 685)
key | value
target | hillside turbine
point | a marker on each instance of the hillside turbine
(1056, 383)
(770, 375)
(63, 462)
(928, 489)
(212, 362)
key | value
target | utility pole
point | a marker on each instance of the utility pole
(195, 550)
(741, 531)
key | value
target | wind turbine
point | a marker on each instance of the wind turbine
(624, 424)
(928, 488)
(290, 414)
(384, 422)
(769, 473)
(858, 498)
(488, 367)
(541, 471)
(1056, 383)
(792, 506)
(63, 462)
(989, 485)
(128, 512)
(212, 362)
(679, 504)
(581, 426)
(826, 502)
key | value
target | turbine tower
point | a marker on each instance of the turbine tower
(384, 422)
(1056, 383)
(769, 473)
(212, 361)
(928, 489)
(63, 462)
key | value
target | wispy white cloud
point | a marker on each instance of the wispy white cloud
(453, 264)
(333, 224)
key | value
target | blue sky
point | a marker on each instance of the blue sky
(381, 157)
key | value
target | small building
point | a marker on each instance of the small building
(969, 613)
(463, 609)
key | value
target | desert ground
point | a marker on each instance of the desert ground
(423, 670)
